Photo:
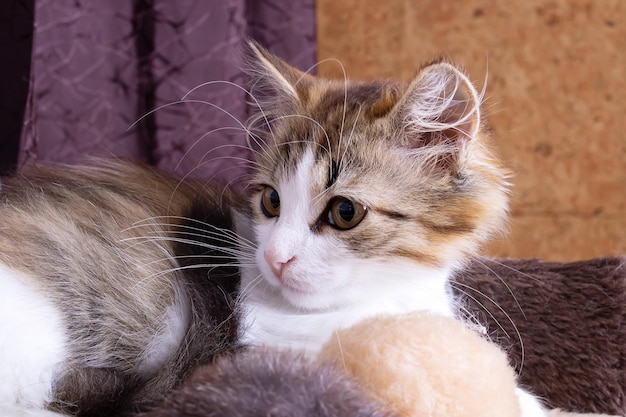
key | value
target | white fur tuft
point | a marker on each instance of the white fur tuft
(166, 342)
(266, 75)
(439, 90)
(529, 404)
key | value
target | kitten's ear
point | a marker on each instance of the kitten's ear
(440, 107)
(273, 82)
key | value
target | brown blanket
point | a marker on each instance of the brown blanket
(571, 320)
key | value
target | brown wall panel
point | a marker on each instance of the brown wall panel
(555, 100)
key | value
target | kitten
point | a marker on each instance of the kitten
(367, 197)
(115, 280)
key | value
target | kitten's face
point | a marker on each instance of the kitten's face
(361, 185)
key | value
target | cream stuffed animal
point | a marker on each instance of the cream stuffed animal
(421, 364)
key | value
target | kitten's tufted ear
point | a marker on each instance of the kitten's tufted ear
(440, 107)
(273, 82)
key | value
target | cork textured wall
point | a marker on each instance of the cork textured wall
(555, 100)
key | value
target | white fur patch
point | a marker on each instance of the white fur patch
(32, 344)
(529, 404)
(165, 343)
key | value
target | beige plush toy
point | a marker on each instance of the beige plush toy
(426, 365)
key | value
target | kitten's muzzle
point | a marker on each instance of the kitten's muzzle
(276, 264)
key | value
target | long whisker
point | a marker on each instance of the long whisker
(317, 64)
(477, 301)
(215, 231)
(356, 119)
(156, 237)
(205, 135)
(183, 179)
(188, 267)
(248, 92)
(218, 237)
(240, 163)
(341, 352)
(345, 79)
(248, 288)
(186, 100)
(226, 252)
(181, 257)
(345, 107)
(508, 317)
(204, 159)
(510, 291)
(318, 124)
(524, 274)
(292, 142)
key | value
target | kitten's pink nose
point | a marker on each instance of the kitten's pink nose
(276, 263)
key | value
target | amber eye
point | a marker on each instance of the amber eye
(270, 202)
(345, 214)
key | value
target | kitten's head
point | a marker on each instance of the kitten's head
(366, 184)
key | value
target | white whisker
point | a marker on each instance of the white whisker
(318, 124)
(188, 267)
(217, 148)
(517, 332)
(180, 240)
(230, 83)
(345, 107)
(228, 235)
(249, 287)
(510, 291)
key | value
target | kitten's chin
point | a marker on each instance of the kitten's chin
(301, 298)
(306, 301)
(297, 296)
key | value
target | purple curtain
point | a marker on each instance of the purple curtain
(16, 29)
(154, 80)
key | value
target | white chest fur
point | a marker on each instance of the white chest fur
(269, 320)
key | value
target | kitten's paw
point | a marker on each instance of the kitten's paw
(529, 404)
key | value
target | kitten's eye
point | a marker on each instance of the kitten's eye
(270, 202)
(344, 214)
